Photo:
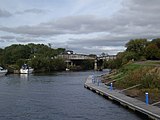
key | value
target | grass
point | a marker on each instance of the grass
(153, 62)
(146, 73)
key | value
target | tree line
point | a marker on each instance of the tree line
(39, 56)
(136, 50)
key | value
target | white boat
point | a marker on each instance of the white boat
(26, 69)
(3, 71)
(67, 69)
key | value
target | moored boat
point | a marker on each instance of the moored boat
(3, 71)
(67, 69)
(25, 69)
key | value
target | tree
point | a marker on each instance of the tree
(39, 56)
(15, 52)
(137, 46)
(156, 42)
(152, 52)
(129, 56)
(1, 56)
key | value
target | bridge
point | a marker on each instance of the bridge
(71, 58)
(77, 57)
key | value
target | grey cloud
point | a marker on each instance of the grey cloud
(67, 25)
(28, 39)
(33, 10)
(136, 19)
(128, 20)
(32, 30)
(23, 39)
(96, 41)
(139, 12)
(6, 40)
(96, 49)
(7, 37)
(2, 41)
(93, 45)
(4, 13)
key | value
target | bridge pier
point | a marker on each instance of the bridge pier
(71, 63)
(95, 65)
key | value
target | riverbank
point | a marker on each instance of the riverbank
(149, 111)
(135, 79)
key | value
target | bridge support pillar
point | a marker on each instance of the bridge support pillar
(95, 65)
(71, 63)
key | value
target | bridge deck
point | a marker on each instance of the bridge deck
(134, 104)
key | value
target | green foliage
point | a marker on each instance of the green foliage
(152, 52)
(113, 64)
(156, 42)
(39, 56)
(137, 46)
(43, 64)
(143, 49)
(151, 79)
(137, 50)
(20, 62)
(130, 67)
(1, 56)
(15, 52)
(59, 64)
(133, 74)
(87, 64)
(129, 56)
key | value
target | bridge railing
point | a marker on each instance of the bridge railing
(76, 57)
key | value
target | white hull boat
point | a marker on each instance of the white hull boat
(3, 71)
(67, 69)
(26, 70)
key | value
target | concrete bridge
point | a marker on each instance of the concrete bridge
(71, 58)
(77, 57)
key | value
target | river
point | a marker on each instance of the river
(59, 96)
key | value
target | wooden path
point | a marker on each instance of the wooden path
(151, 111)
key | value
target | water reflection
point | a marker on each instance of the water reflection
(24, 76)
(16, 80)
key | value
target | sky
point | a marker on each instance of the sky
(84, 26)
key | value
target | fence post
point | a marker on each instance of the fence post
(146, 98)
(111, 86)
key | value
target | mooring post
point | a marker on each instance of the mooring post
(92, 78)
(98, 82)
(111, 87)
(146, 98)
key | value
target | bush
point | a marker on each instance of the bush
(150, 81)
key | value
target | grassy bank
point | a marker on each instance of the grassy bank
(137, 78)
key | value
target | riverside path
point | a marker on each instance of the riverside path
(152, 112)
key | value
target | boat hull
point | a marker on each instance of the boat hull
(26, 71)
(3, 72)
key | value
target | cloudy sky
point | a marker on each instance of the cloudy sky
(84, 26)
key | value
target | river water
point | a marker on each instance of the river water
(59, 96)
